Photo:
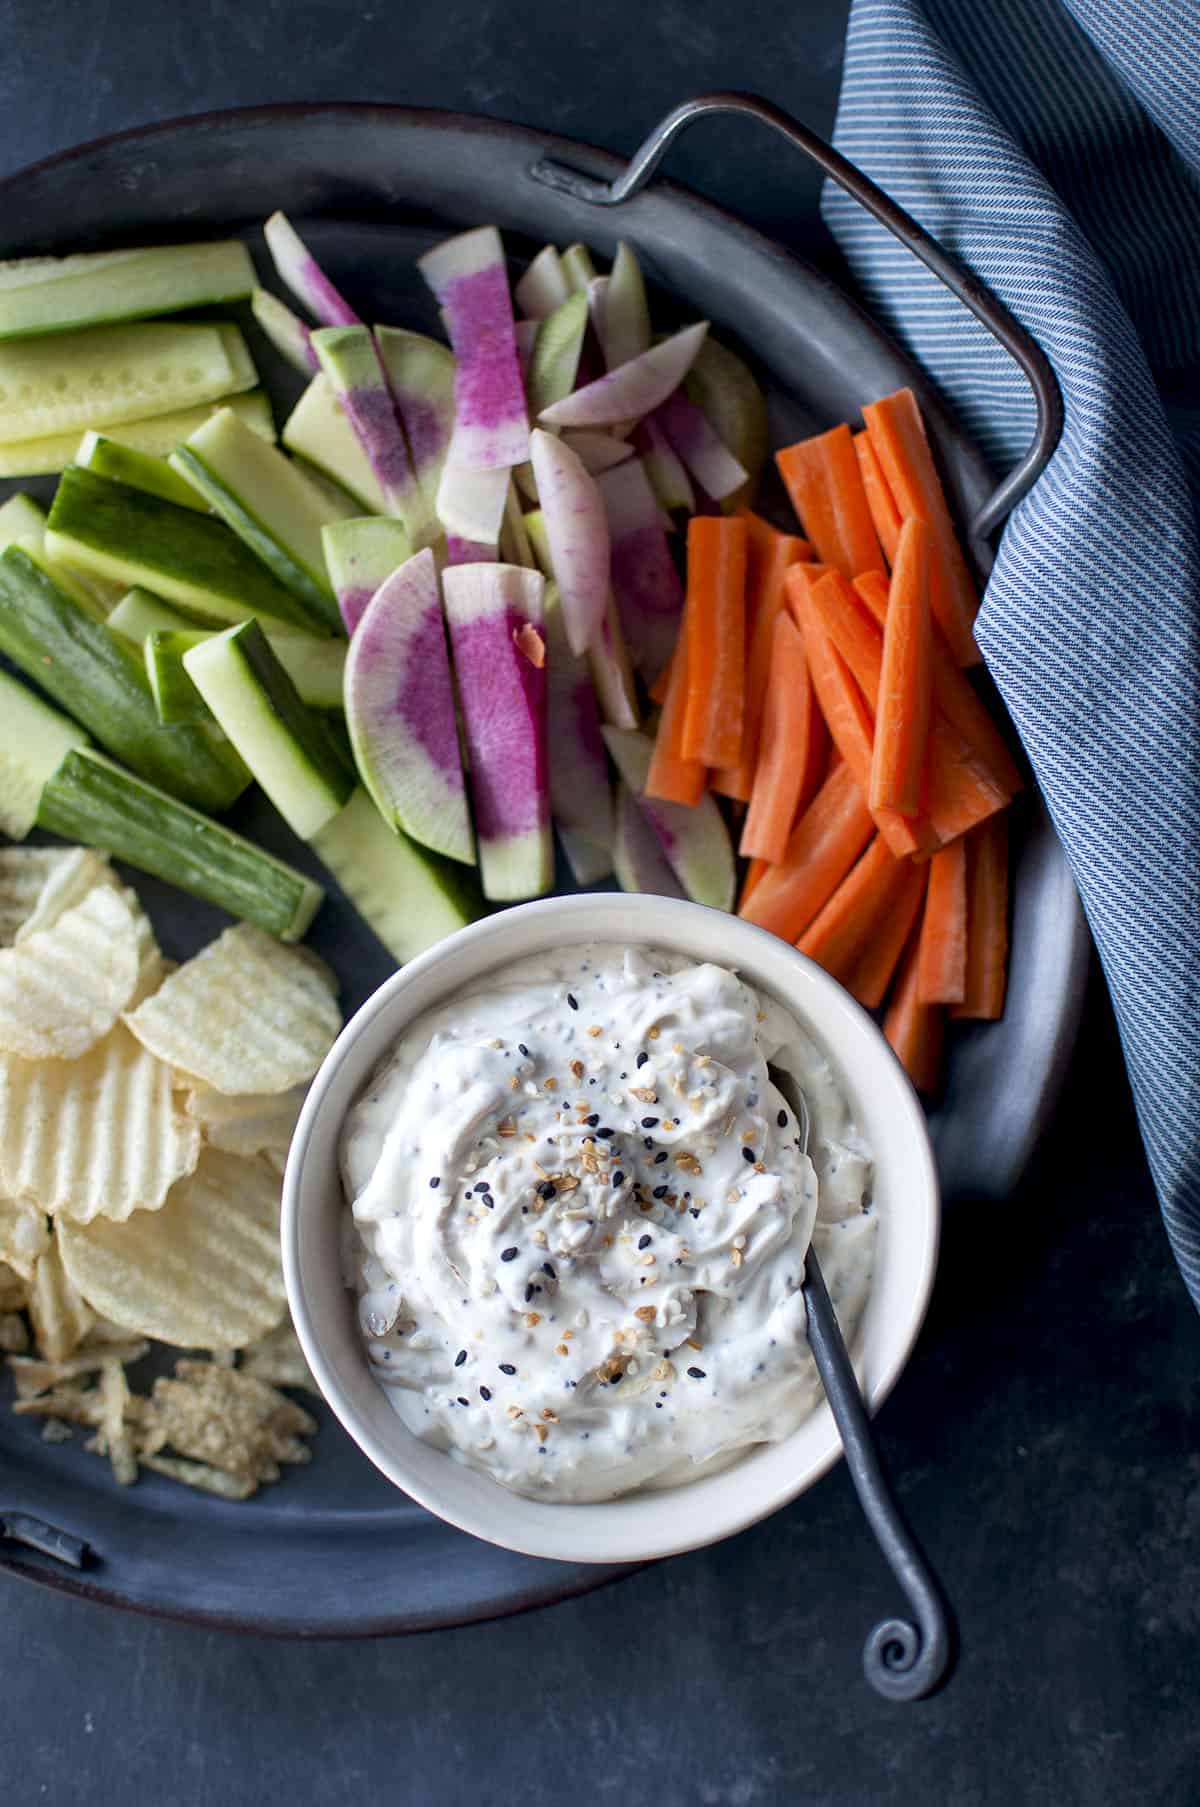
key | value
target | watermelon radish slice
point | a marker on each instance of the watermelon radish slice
(626, 333)
(360, 555)
(468, 276)
(598, 451)
(300, 272)
(638, 858)
(555, 361)
(350, 359)
(420, 375)
(470, 504)
(612, 673)
(668, 479)
(469, 552)
(516, 548)
(495, 618)
(525, 332)
(400, 712)
(543, 286)
(580, 798)
(694, 841)
(646, 585)
(577, 531)
(286, 331)
(597, 297)
(722, 385)
(632, 389)
(702, 450)
(578, 268)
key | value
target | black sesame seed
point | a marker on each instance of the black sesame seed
(489, 1201)
(661, 1191)
(573, 1002)
(647, 1142)
(616, 1380)
(507, 1368)
(460, 1358)
(649, 1122)
(546, 1189)
(548, 1268)
(697, 1374)
(781, 1119)
(642, 1058)
(660, 1157)
(508, 1254)
(748, 1154)
(592, 1120)
(644, 1242)
(618, 1177)
(434, 1183)
(695, 1212)
(463, 1401)
(529, 1292)
(605, 1135)
(522, 1049)
(485, 1392)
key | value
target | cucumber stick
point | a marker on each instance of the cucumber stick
(156, 436)
(54, 294)
(175, 696)
(318, 431)
(139, 613)
(108, 374)
(268, 503)
(21, 519)
(101, 679)
(137, 539)
(315, 666)
(285, 744)
(34, 741)
(94, 800)
(140, 470)
(409, 897)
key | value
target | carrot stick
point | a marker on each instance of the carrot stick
(873, 971)
(825, 843)
(916, 1031)
(880, 499)
(662, 683)
(856, 636)
(756, 870)
(715, 631)
(785, 777)
(987, 922)
(767, 560)
(826, 488)
(838, 937)
(672, 778)
(906, 678)
(906, 460)
(942, 953)
(953, 694)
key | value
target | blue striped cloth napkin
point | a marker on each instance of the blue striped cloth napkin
(1054, 147)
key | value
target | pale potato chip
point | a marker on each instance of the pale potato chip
(245, 1014)
(71, 1401)
(114, 1435)
(252, 1123)
(76, 872)
(27, 873)
(14, 1337)
(203, 1272)
(200, 1476)
(226, 1418)
(278, 1359)
(13, 1289)
(62, 990)
(99, 1136)
(24, 1235)
(59, 1316)
(34, 1376)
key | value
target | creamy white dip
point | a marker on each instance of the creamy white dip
(579, 1216)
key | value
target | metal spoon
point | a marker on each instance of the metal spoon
(901, 1660)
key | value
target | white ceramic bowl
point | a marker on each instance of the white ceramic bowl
(699, 1512)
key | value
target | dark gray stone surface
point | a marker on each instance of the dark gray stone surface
(1044, 1437)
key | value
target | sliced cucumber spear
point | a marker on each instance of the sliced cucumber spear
(318, 431)
(102, 680)
(155, 436)
(51, 294)
(93, 800)
(315, 666)
(137, 539)
(21, 519)
(34, 741)
(287, 747)
(287, 333)
(140, 470)
(267, 502)
(175, 696)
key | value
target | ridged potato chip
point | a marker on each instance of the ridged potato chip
(99, 1136)
(278, 1359)
(59, 1316)
(35, 1376)
(62, 989)
(24, 1235)
(203, 1272)
(28, 873)
(13, 1289)
(76, 872)
(246, 1014)
(252, 1123)
(226, 1418)
(14, 1338)
(203, 1477)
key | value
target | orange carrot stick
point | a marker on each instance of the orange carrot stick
(954, 696)
(916, 1031)
(826, 488)
(767, 561)
(838, 937)
(672, 778)
(987, 922)
(942, 953)
(906, 460)
(756, 870)
(662, 683)
(785, 777)
(872, 973)
(880, 499)
(905, 680)
(825, 843)
(715, 630)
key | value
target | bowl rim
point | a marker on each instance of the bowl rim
(560, 1523)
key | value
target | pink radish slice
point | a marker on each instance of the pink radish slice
(694, 841)
(525, 333)
(700, 447)
(469, 278)
(638, 859)
(543, 286)
(360, 555)
(632, 389)
(286, 331)
(626, 332)
(302, 274)
(400, 712)
(597, 301)
(580, 798)
(470, 504)
(577, 529)
(502, 694)
(589, 862)
(350, 359)
(612, 673)
(646, 585)
(598, 451)
(469, 552)
(668, 479)
(420, 375)
(515, 545)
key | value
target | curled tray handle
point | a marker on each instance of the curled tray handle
(985, 306)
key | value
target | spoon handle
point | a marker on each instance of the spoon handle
(901, 1660)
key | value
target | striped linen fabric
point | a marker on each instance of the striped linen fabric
(1055, 149)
